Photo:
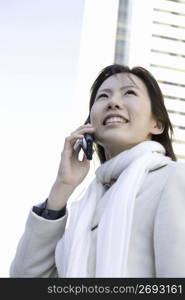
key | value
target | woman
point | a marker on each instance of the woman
(130, 222)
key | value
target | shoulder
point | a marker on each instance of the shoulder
(169, 174)
(161, 178)
(175, 173)
(172, 195)
(169, 224)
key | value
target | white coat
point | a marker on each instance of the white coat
(157, 244)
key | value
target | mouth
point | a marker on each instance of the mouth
(115, 120)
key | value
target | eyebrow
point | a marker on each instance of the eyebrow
(122, 88)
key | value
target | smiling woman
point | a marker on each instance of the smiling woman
(139, 83)
(109, 233)
(128, 101)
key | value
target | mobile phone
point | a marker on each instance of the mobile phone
(87, 145)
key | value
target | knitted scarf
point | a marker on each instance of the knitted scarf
(128, 169)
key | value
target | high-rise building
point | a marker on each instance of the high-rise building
(139, 32)
(152, 34)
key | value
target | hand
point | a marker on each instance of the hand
(71, 170)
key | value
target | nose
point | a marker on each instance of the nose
(115, 102)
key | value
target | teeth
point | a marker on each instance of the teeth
(115, 119)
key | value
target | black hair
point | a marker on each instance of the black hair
(157, 104)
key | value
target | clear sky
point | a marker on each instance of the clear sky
(38, 53)
(39, 50)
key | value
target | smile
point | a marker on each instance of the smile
(115, 120)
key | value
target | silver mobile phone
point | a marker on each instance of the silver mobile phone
(87, 145)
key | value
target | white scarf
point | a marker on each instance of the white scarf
(113, 233)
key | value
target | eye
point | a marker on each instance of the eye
(130, 92)
(102, 96)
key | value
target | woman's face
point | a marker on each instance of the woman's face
(121, 114)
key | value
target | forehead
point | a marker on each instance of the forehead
(121, 80)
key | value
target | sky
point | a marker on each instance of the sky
(39, 52)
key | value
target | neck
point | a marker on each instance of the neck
(111, 152)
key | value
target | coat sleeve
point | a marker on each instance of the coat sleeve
(169, 228)
(35, 254)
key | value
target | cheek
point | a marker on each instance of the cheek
(142, 111)
(143, 122)
(94, 116)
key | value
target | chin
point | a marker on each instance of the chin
(115, 139)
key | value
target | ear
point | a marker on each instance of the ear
(157, 127)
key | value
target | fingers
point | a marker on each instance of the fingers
(79, 133)
(87, 128)
(84, 126)
(71, 142)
